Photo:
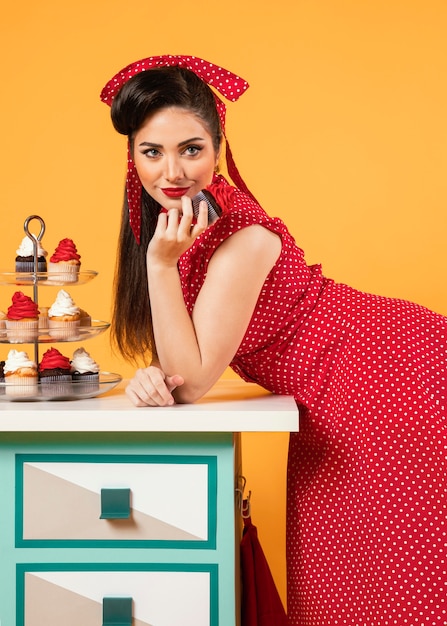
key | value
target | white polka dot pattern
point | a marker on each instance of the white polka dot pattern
(366, 521)
(228, 84)
(134, 190)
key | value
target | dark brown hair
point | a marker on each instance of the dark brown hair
(142, 96)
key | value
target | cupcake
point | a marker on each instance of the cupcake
(22, 319)
(43, 316)
(25, 256)
(2, 378)
(64, 263)
(55, 374)
(20, 375)
(86, 319)
(64, 317)
(85, 372)
(2, 324)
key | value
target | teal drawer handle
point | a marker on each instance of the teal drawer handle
(117, 612)
(115, 503)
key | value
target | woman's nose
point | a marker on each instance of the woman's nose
(173, 171)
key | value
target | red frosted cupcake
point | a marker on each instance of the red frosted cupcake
(55, 374)
(64, 263)
(22, 319)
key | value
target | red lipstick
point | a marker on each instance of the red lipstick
(175, 192)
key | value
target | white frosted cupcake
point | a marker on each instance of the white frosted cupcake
(20, 374)
(64, 317)
(84, 371)
(25, 256)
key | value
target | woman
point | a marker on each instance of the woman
(366, 473)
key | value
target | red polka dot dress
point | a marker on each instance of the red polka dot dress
(366, 519)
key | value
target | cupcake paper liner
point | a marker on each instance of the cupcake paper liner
(63, 272)
(63, 330)
(21, 332)
(43, 321)
(56, 386)
(21, 386)
(85, 383)
(28, 266)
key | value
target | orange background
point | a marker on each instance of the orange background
(343, 134)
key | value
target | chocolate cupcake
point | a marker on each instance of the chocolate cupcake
(85, 372)
(55, 374)
(2, 377)
(25, 256)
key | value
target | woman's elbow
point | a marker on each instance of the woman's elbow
(188, 394)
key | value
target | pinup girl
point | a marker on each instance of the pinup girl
(367, 472)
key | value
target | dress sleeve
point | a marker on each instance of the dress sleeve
(241, 213)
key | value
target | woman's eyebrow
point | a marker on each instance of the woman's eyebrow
(150, 144)
(183, 143)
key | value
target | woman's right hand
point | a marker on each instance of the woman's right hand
(175, 233)
(152, 387)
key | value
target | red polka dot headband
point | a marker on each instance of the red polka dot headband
(225, 82)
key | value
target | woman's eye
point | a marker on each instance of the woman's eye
(152, 153)
(192, 150)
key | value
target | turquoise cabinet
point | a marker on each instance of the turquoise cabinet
(122, 522)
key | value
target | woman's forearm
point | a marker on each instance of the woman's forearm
(199, 348)
(178, 351)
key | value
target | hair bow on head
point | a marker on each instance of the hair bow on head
(225, 82)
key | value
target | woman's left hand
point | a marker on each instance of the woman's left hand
(152, 387)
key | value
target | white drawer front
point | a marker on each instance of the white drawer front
(159, 598)
(169, 501)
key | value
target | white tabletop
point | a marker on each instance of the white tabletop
(230, 406)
